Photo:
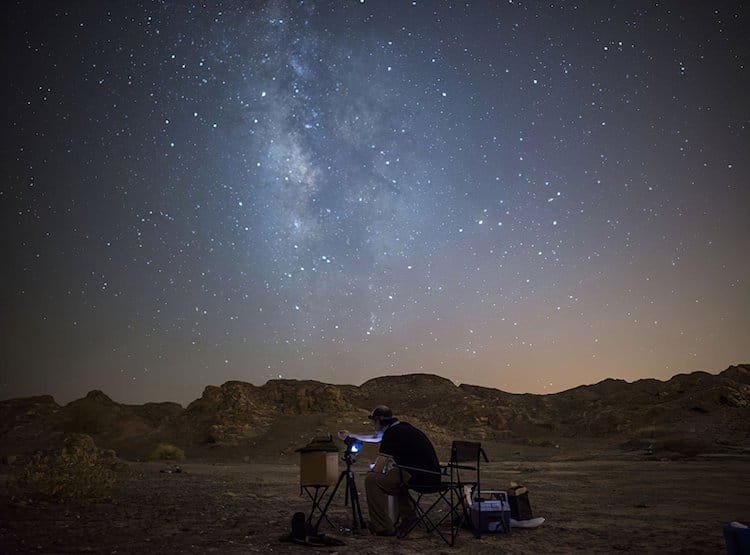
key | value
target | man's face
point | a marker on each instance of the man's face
(377, 422)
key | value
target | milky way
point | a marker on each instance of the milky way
(518, 195)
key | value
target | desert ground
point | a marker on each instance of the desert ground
(591, 506)
(646, 467)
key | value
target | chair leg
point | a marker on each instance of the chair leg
(401, 530)
(434, 524)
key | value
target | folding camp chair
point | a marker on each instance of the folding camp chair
(446, 513)
(442, 513)
(465, 473)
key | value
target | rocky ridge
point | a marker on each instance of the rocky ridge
(690, 413)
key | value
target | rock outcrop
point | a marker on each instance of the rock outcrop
(702, 410)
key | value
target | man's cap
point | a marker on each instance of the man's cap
(381, 410)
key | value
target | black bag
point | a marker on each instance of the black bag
(301, 529)
(518, 499)
(305, 533)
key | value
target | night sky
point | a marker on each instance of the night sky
(520, 195)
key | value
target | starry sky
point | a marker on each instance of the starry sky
(521, 195)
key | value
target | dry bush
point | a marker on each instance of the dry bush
(649, 431)
(77, 472)
(167, 452)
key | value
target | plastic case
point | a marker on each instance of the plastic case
(490, 513)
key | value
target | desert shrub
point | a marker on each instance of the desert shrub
(77, 472)
(649, 431)
(167, 452)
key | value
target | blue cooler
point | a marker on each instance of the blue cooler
(738, 540)
(490, 513)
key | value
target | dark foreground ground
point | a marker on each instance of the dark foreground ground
(590, 507)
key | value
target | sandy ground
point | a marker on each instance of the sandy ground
(590, 506)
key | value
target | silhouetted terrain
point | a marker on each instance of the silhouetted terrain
(599, 462)
(687, 415)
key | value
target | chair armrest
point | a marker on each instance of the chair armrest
(438, 473)
(460, 466)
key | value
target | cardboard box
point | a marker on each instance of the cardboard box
(318, 468)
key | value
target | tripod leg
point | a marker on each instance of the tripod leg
(348, 487)
(356, 507)
(324, 512)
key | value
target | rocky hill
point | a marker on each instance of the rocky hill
(687, 415)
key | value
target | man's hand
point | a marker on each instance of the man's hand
(342, 434)
(379, 464)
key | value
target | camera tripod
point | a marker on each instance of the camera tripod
(350, 496)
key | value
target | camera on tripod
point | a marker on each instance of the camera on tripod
(353, 446)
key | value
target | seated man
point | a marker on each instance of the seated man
(406, 456)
